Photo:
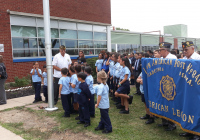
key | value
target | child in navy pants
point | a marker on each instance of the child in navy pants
(103, 103)
(36, 78)
(84, 96)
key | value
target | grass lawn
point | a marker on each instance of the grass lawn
(125, 127)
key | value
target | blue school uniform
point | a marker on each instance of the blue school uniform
(45, 91)
(96, 89)
(125, 70)
(83, 100)
(111, 67)
(37, 84)
(89, 80)
(35, 77)
(117, 70)
(104, 66)
(74, 81)
(104, 105)
(64, 81)
(125, 87)
(65, 95)
(99, 64)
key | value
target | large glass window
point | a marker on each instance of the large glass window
(97, 51)
(100, 44)
(29, 40)
(85, 44)
(88, 51)
(113, 47)
(69, 43)
(23, 31)
(85, 35)
(100, 36)
(68, 34)
(25, 53)
(72, 51)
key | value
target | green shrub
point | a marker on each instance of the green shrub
(91, 62)
(21, 82)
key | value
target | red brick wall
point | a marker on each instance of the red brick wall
(89, 10)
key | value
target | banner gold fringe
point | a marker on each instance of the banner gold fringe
(189, 131)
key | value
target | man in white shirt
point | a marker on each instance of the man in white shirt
(188, 50)
(189, 53)
(60, 60)
(164, 50)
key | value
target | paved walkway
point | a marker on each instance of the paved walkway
(11, 103)
(8, 135)
(22, 101)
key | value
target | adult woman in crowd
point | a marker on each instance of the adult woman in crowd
(81, 59)
(3, 77)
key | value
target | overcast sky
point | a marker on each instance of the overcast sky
(151, 15)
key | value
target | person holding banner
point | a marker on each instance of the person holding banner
(164, 51)
(188, 50)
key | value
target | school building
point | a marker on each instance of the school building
(127, 42)
(77, 24)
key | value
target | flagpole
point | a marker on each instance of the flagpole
(48, 50)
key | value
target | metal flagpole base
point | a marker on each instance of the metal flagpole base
(51, 109)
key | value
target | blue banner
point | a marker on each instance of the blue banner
(172, 91)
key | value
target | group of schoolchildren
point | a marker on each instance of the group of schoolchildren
(118, 70)
(77, 93)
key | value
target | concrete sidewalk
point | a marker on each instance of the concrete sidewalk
(16, 102)
(8, 135)
(22, 101)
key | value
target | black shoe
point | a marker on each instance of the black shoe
(150, 121)
(145, 117)
(195, 137)
(87, 124)
(40, 99)
(80, 122)
(35, 101)
(170, 128)
(185, 134)
(66, 116)
(77, 118)
(122, 109)
(124, 112)
(98, 128)
(106, 131)
(55, 103)
(130, 99)
(120, 106)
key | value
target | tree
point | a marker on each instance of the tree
(118, 28)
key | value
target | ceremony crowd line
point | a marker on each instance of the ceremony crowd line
(73, 82)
